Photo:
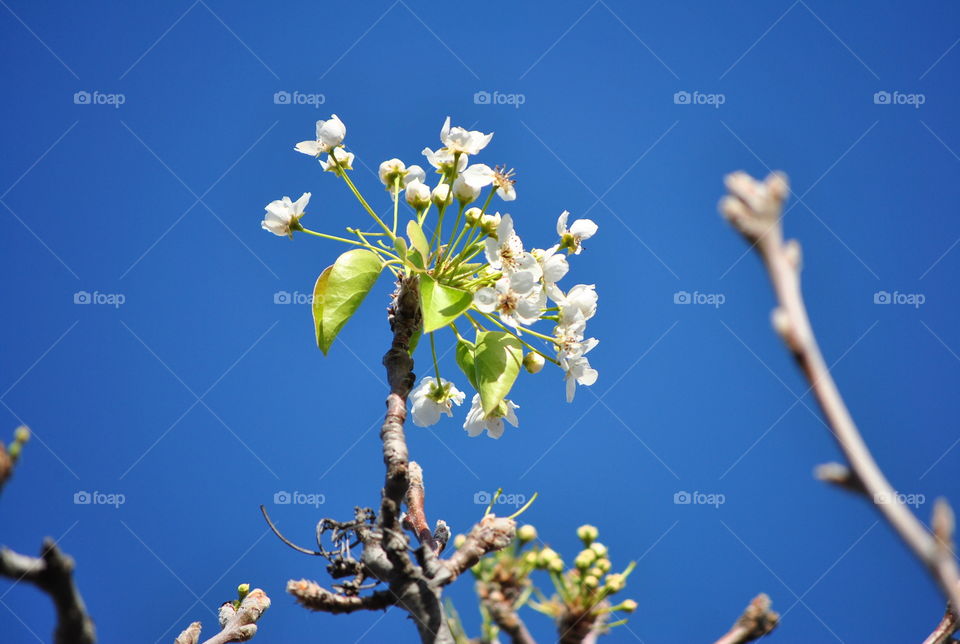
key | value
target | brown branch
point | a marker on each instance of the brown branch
(754, 208)
(52, 573)
(943, 633)
(416, 517)
(502, 613)
(238, 623)
(312, 596)
(491, 534)
(757, 620)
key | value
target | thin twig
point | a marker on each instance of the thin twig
(757, 620)
(754, 208)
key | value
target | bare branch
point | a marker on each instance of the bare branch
(312, 596)
(943, 633)
(416, 517)
(502, 613)
(52, 573)
(754, 208)
(757, 620)
(491, 534)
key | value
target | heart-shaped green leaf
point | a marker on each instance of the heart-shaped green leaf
(441, 304)
(497, 358)
(349, 280)
(418, 240)
(465, 350)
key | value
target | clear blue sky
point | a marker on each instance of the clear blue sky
(199, 398)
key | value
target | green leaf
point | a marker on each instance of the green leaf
(400, 245)
(351, 278)
(441, 304)
(319, 291)
(497, 358)
(465, 350)
(418, 240)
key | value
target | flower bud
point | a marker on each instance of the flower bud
(587, 533)
(556, 565)
(489, 224)
(603, 565)
(465, 191)
(546, 556)
(616, 582)
(459, 540)
(599, 549)
(242, 590)
(441, 195)
(473, 216)
(22, 434)
(591, 582)
(585, 559)
(390, 170)
(627, 606)
(526, 533)
(418, 195)
(530, 559)
(533, 362)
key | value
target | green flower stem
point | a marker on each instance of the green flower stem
(363, 202)
(476, 326)
(433, 350)
(332, 237)
(456, 225)
(396, 202)
(522, 341)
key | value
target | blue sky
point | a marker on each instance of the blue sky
(198, 398)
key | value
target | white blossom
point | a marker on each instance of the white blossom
(330, 134)
(418, 194)
(457, 139)
(464, 190)
(580, 230)
(477, 421)
(283, 216)
(506, 251)
(430, 399)
(553, 265)
(581, 299)
(344, 158)
(578, 371)
(443, 159)
(503, 180)
(441, 195)
(517, 297)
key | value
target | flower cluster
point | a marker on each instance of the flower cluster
(476, 269)
(505, 579)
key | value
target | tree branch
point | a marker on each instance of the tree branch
(312, 596)
(757, 620)
(754, 208)
(943, 633)
(238, 623)
(502, 613)
(52, 573)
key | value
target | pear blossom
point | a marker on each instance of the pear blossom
(580, 230)
(570, 339)
(283, 216)
(505, 252)
(553, 265)
(441, 195)
(578, 371)
(457, 139)
(581, 299)
(443, 160)
(503, 180)
(338, 156)
(430, 399)
(418, 194)
(477, 421)
(518, 298)
(330, 134)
